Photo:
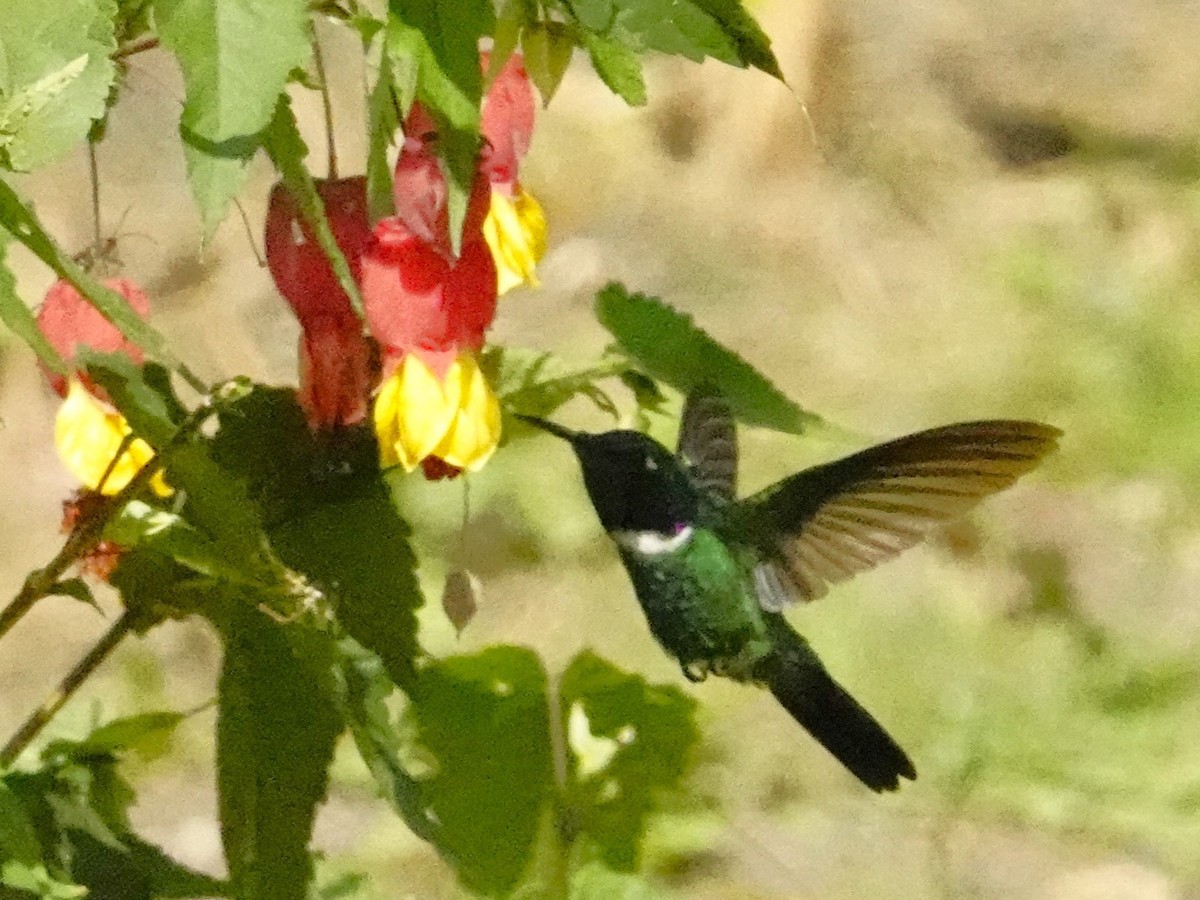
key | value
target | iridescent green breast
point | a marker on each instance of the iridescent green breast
(698, 597)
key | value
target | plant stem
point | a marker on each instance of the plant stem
(326, 104)
(135, 48)
(564, 825)
(69, 685)
(94, 175)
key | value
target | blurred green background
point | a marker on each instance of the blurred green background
(987, 210)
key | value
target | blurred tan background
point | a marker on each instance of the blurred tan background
(999, 216)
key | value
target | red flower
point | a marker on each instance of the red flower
(506, 123)
(419, 187)
(298, 264)
(337, 373)
(418, 301)
(68, 321)
(88, 432)
(336, 359)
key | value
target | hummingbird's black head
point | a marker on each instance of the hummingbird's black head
(634, 482)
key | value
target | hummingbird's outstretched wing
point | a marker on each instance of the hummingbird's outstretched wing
(825, 524)
(708, 443)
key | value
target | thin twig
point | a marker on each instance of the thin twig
(94, 175)
(326, 104)
(135, 48)
(69, 685)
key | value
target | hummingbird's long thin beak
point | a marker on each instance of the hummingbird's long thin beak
(546, 425)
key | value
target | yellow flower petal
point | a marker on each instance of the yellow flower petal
(456, 419)
(413, 412)
(475, 433)
(88, 435)
(516, 233)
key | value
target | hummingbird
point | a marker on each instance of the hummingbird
(713, 573)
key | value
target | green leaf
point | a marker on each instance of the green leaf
(22, 224)
(56, 74)
(618, 67)
(147, 403)
(329, 516)
(236, 56)
(630, 743)
(548, 47)
(695, 29)
(670, 347)
(139, 524)
(287, 150)
(381, 131)
(442, 37)
(145, 733)
(76, 588)
(592, 881)
(483, 720)
(276, 729)
(18, 838)
(536, 382)
(138, 871)
(753, 45)
(510, 20)
(19, 318)
(364, 688)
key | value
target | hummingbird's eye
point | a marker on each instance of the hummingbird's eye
(651, 465)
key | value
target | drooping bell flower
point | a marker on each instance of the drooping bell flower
(336, 359)
(445, 423)
(88, 430)
(515, 227)
(429, 314)
(417, 301)
(298, 265)
(512, 220)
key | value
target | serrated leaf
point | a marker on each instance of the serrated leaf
(618, 67)
(215, 177)
(57, 75)
(276, 730)
(139, 871)
(443, 37)
(236, 56)
(677, 27)
(19, 318)
(483, 718)
(329, 516)
(671, 348)
(640, 737)
(695, 29)
(547, 47)
(22, 224)
(287, 150)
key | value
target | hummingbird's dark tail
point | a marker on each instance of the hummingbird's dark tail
(798, 680)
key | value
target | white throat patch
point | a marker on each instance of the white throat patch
(653, 543)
